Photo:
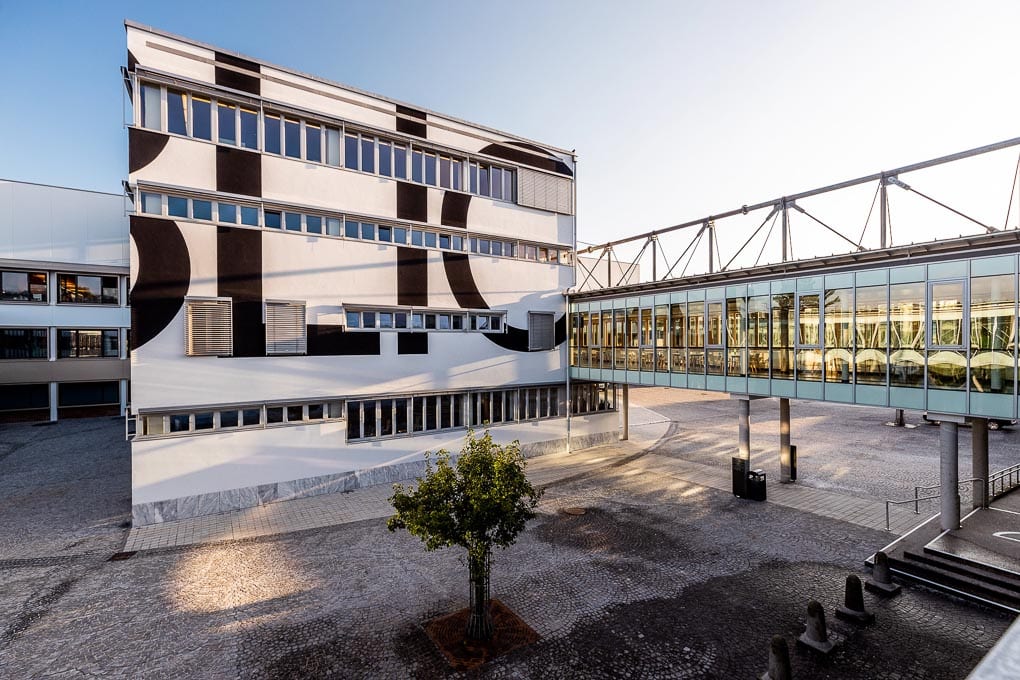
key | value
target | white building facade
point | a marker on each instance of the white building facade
(63, 303)
(326, 284)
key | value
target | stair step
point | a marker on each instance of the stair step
(958, 584)
(950, 557)
(972, 570)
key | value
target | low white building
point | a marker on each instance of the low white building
(327, 283)
(63, 302)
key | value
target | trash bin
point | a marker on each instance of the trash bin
(756, 485)
(740, 476)
(793, 463)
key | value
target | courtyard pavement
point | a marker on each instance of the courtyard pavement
(665, 575)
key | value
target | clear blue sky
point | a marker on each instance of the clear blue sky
(676, 109)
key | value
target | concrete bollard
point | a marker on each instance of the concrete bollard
(853, 603)
(779, 660)
(815, 634)
(880, 582)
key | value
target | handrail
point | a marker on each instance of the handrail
(917, 498)
(1012, 473)
(999, 476)
(909, 500)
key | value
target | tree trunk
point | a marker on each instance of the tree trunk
(479, 626)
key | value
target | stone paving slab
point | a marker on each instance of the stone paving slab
(649, 429)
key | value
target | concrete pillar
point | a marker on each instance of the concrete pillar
(123, 396)
(53, 402)
(979, 461)
(744, 429)
(949, 476)
(625, 412)
(784, 441)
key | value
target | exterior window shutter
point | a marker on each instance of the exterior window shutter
(286, 332)
(544, 191)
(540, 331)
(210, 328)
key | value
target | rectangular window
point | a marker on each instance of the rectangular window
(369, 418)
(458, 174)
(508, 185)
(201, 210)
(226, 212)
(351, 229)
(295, 414)
(228, 419)
(313, 224)
(209, 328)
(204, 421)
(315, 412)
(292, 221)
(400, 235)
(227, 123)
(385, 417)
(368, 231)
(83, 289)
(313, 143)
(274, 415)
(497, 183)
(353, 420)
(368, 319)
(906, 334)
(353, 319)
(291, 138)
(152, 204)
(251, 416)
(177, 206)
(385, 233)
(445, 175)
(201, 118)
(351, 152)
(274, 219)
(540, 331)
(483, 180)
(992, 334)
(400, 162)
(385, 159)
(79, 344)
(180, 422)
(368, 154)
(23, 286)
(838, 340)
(250, 215)
(473, 178)
(272, 132)
(176, 112)
(24, 343)
(416, 166)
(332, 147)
(444, 241)
(286, 332)
(333, 226)
(417, 238)
(151, 107)
(249, 129)
(430, 239)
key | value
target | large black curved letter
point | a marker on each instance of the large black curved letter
(144, 146)
(164, 274)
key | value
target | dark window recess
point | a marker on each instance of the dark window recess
(82, 289)
(274, 414)
(23, 397)
(251, 416)
(88, 393)
(23, 286)
(228, 419)
(354, 420)
(23, 343)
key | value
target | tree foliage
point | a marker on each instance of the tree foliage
(482, 500)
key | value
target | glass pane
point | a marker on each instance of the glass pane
(274, 414)
(399, 235)
(315, 412)
(201, 210)
(333, 226)
(368, 319)
(430, 239)
(353, 420)
(332, 146)
(204, 421)
(444, 241)
(368, 231)
(274, 219)
(483, 180)
(386, 417)
(947, 314)
(782, 320)
(152, 204)
(430, 413)
(385, 233)
(400, 162)
(400, 416)
(227, 212)
(497, 183)
(293, 221)
(871, 331)
(249, 129)
(385, 159)
(418, 414)
(807, 324)
(735, 321)
(201, 118)
(368, 154)
(351, 152)
(176, 112)
(291, 138)
(473, 178)
(838, 339)
(445, 179)
(177, 206)
(351, 229)
(370, 419)
(226, 123)
(758, 363)
(416, 238)
(180, 423)
(430, 169)
(992, 334)
(272, 132)
(228, 419)
(313, 224)
(250, 215)
(508, 185)
(353, 319)
(445, 415)
(696, 324)
(947, 370)
(313, 143)
(676, 326)
(251, 416)
(151, 107)
(906, 337)
(458, 174)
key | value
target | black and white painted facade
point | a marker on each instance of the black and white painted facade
(325, 284)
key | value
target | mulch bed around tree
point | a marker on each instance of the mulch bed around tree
(447, 632)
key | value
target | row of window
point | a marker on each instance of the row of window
(592, 397)
(901, 335)
(398, 416)
(27, 286)
(33, 343)
(419, 319)
(152, 203)
(250, 416)
(36, 396)
(225, 122)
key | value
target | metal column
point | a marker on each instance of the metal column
(744, 429)
(784, 441)
(949, 476)
(979, 461)
(625, 412)
(53, 402)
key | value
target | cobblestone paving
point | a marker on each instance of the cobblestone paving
(840, 448)
(655, 580)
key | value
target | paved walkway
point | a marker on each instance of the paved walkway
(633, 459)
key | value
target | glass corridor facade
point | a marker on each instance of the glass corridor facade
(938, 337)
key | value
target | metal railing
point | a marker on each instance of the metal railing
(916, 499)
(1007, 480)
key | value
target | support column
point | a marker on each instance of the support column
(124, 396)
(625, 434)
(785, 462)
(979, 461)
(53, 402)
(949, 476)
(744, 429)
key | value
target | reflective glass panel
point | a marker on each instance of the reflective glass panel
(272, 134)
(226, 120)
(292, 138)
(201, 118)
(368, 154)
(176, 112)
(313, 143)
(249, 129)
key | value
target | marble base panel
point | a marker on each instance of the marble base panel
(248, 497)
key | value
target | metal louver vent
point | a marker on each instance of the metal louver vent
(540, 331)
(210, 328)
(544, 191)
(286, 332)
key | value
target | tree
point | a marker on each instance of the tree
(482, 500)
